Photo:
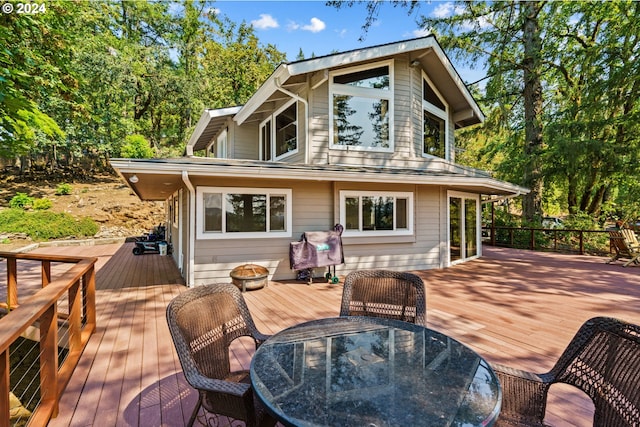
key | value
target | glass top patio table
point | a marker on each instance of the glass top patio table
(366, 371)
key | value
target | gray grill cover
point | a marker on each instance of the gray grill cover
(317, 249)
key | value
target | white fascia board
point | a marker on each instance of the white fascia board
(203, 122)
(360, 55)
(169, 167)
(263, 93)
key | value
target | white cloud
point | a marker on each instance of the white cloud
(421, 32)
(265, 22)
(448, 9)
(315, 26)
(443, 10)
(342, 33)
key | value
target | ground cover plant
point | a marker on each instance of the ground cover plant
(42, 225)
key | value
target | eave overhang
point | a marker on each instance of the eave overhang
(208, 126)
(157, 179)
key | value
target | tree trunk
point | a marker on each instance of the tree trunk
(532, 93)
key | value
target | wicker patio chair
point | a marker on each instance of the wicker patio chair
(203, 322)
(602, 360)
(384, 293)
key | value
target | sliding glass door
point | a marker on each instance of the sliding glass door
(464, 227)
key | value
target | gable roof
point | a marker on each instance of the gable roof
(210, 123)
(287, 78)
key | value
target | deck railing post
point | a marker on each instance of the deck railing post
(89, 299)
(46, 273)
(12, 283)
(75, 318)
(49, 358)
(532, 239)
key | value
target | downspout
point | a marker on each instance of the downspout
(191, 229)
(306, 116)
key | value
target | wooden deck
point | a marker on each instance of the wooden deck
(515, 307)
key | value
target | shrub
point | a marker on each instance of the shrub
(21, 201)
(63, 190)
(45, 225)
(42, 204)
(136, 147)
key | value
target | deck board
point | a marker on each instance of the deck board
(514, 307)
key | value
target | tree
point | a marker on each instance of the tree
(33, 64)
(344, 131)
(561, 95)
(136, 147)
(236, 63)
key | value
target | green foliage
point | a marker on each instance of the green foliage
(590, 152)
(21, 201)
(136, 147)
(77, 80)
(42, 204)
(63, 189)
(581, 221)
(45, 225)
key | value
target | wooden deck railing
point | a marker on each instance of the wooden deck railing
(595, 242)
(42, 310)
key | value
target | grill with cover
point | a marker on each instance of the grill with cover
(317, 249)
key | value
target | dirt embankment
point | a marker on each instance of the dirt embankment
(107, 199)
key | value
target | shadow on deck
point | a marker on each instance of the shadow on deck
(515, 307)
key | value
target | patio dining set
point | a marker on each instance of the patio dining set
(377, 364)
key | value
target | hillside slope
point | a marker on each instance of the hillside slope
(106, 198)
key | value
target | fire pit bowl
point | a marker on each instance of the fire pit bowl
(249, 277)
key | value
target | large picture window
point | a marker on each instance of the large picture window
(243, 212)
(435, 117)
(361, 115)
(376, 213)
(279, 133)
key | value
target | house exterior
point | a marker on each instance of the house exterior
(363, 138)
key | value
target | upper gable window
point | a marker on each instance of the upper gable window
(435, 121)
(361, 108)
(279, 133)
(377, 78)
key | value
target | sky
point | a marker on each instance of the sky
(319, 30)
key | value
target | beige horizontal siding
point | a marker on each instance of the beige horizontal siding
(244, 141)
(315, 208)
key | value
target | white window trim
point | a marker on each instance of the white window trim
(464, 196)
(396, 194)
(272, 118)
(175, 204)
(365, 93)
(206, 235)
(444, 115)
(221, 145)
